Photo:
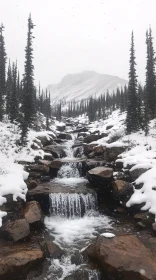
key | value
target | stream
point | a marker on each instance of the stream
(74, 220)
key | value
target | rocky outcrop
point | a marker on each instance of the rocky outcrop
(100, 176)
(56, 150)
(17, 260)
(33, 213)
(16, 230)
(45, 140)
(123, 256)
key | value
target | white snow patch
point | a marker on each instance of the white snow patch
(108, 235)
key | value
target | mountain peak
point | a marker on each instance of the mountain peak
(84, 85)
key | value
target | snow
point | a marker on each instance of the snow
(108, 235)
(12, 174)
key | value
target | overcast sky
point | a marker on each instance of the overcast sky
(76, 35)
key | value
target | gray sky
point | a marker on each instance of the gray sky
(76, 35)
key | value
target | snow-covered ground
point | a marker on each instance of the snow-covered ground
(140, 153)
(12, 175)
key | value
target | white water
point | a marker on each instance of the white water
(71, 204)
(66, 224)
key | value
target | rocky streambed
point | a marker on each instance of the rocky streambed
(76, 195)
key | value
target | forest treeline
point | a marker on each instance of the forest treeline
(22, 102)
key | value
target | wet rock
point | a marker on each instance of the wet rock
(76, 258)
(41, 195)
(61, 127)
(56, 164)
(16, 230)
(53, 250)
(145, 217)
(112, 153)
(154, 227)
(48, 157)
(123, 256)
(141, 225)
(16, 260)
(90, 164)
(82, 129)
(64, 136)
(100, 176)
(137, 172)
(82, 274)
(45, 162)
(122, 191)
(33, 213)
(45, 140)
(45, 179)
(78, 152)
(119, 164)
(87, 149)
(56, 150)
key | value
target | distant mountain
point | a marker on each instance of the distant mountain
(84, 85)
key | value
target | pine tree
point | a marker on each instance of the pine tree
(8, 88)
(132, 115)
(150, 76)
(2, 72)
(13, 112)
(28, 106)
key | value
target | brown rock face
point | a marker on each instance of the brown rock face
(37, 168)
(17, 230)
(123, 256)
(119, 185)
(112, 153)
(99, 150)
(102, 171)
(17, 260)
(122, 191)
(33, 213)
(54, 250)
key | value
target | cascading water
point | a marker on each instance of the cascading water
(72, 204)
(73, 220)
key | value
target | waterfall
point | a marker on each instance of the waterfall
(72, 204)
(69, 170)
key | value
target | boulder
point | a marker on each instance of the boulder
(32, 184)
(64, 136)
(33, 213)
(16, 260)
(91, 163)
(45, 140)
(100, 176)
(56, 150)
(111, 153)
(61, 127)
(48, 156)
(82, 129)
(137, 172)
(53, 250)
(87, 149)
(99, 150)
(121, 191)
(16, 230)
(78, 152)
(45, 162)
(123, 256)
(41, 195)
(109, 127)
(56, 164)
(92, 137)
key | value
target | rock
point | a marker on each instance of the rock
(82, 274)
(37, 168)
(76, 258)
(119, 185)
(64, 136)
(45, 162)
(45, 179)
(78, 152)
(41, 195)
(54, 251)
(16, 230)
(137, 172)
(100, 176)
(122, 191)
(119, 164)
(154, 227)
(61, 127)
(123, 256)
(121, 210)
(48, 157)
(32, 184)
(56, 164)
(145, 217)
(141, 225)
(91, 138)
(112, 153)
(87, 149)
(33, 213)
(56, 150)
(16, 260)
(83, 134)
(109, 127)
(90, 164)
(45, 140)
(82, 129)
(99, 150)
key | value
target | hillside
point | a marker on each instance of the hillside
(83, 85)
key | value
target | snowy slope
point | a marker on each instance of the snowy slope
(83, 85)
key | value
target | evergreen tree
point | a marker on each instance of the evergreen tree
(2, 72)
(28, 106)
(150, 76)
(132, 115)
